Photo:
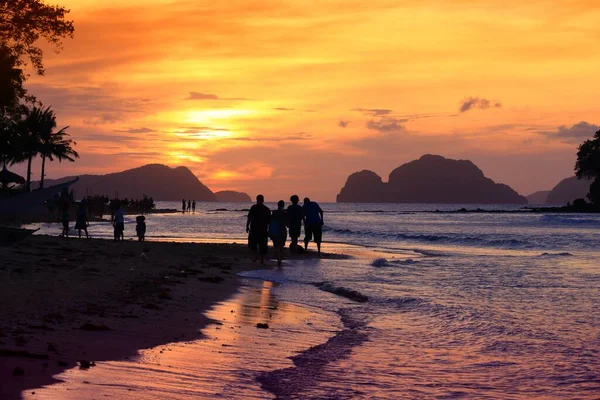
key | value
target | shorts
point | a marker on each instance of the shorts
(313, 231)
(65, 224)
(260, 240)
(295, 231)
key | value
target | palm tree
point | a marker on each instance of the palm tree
(54, 144)
(27, 131)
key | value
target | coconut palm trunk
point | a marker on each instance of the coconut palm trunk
(43, 171)
(28, 183)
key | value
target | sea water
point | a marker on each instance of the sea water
(477, 305)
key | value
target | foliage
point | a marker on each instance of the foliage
(52, 143)
(588, 165)
(24, 22)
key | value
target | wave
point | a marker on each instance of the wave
(431, 238)
(563, 219)
(564, 254)
(383, 262)
(342, 291)
(402, 302)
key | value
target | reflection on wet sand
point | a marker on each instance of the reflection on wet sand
(223, 363)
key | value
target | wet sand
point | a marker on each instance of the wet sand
(71, 300)
(224, 362)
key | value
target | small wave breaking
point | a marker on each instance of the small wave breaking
(383, 262)
(342, 292)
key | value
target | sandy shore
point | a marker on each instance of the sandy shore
(71, 300)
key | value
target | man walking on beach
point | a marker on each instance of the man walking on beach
(313, 223)
(257, 227)
(296, 216)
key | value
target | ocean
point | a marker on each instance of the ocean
(487, 305)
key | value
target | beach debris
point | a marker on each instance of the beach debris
(22, 354)
(18, 371)
(85, 364)
(212, 279)
(262, 325)
(91, 327)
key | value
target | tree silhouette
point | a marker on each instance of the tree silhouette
(24, 22)
(588, 165)
(53, 144)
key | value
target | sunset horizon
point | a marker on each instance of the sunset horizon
(280, 97)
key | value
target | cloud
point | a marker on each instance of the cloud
(210, 96)
(135, 130)
(343, 124)
(580, 131)
(387, 124)
(287, 138)
(475, 102)
(283, 109)
(374, 112)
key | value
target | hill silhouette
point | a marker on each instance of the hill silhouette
(568, 190)
(156, 180)
(538, 197)
(230, 196)
(430, 179)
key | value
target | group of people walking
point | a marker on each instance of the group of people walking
(263, 224)
(190, 206)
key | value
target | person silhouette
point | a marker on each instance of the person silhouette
(82, 222)
(295, 218)
(313, 224)
(257, 227)
(189, 207)
(194, 206)
(183, 205)
(278, 230)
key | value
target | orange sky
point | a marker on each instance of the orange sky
(293, 96)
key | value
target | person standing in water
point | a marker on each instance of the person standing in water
(313, 223)
(278, 230)
(295, 218)
(183, 205)
(140, 228)
(119, 223)
(194, 206)
(257, 227)
(82, 219)
(189, 208)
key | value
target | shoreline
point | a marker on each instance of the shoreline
(70, 300)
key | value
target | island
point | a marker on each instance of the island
(430, 179)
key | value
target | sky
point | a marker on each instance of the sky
(287, 96)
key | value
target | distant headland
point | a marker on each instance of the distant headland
(156, 180)
(430, 179)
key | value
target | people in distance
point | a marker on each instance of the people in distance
(82, 218)
(257, 227)
(183, 205)
(140, 227)
(295, 218)
(119, 223)
(194, 206)
(189, 206)
(278, 230)
(313, 223)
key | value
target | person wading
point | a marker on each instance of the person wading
(313, 223)
(257, 227)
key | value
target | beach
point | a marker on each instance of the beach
(71, 300)
(424, 304)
